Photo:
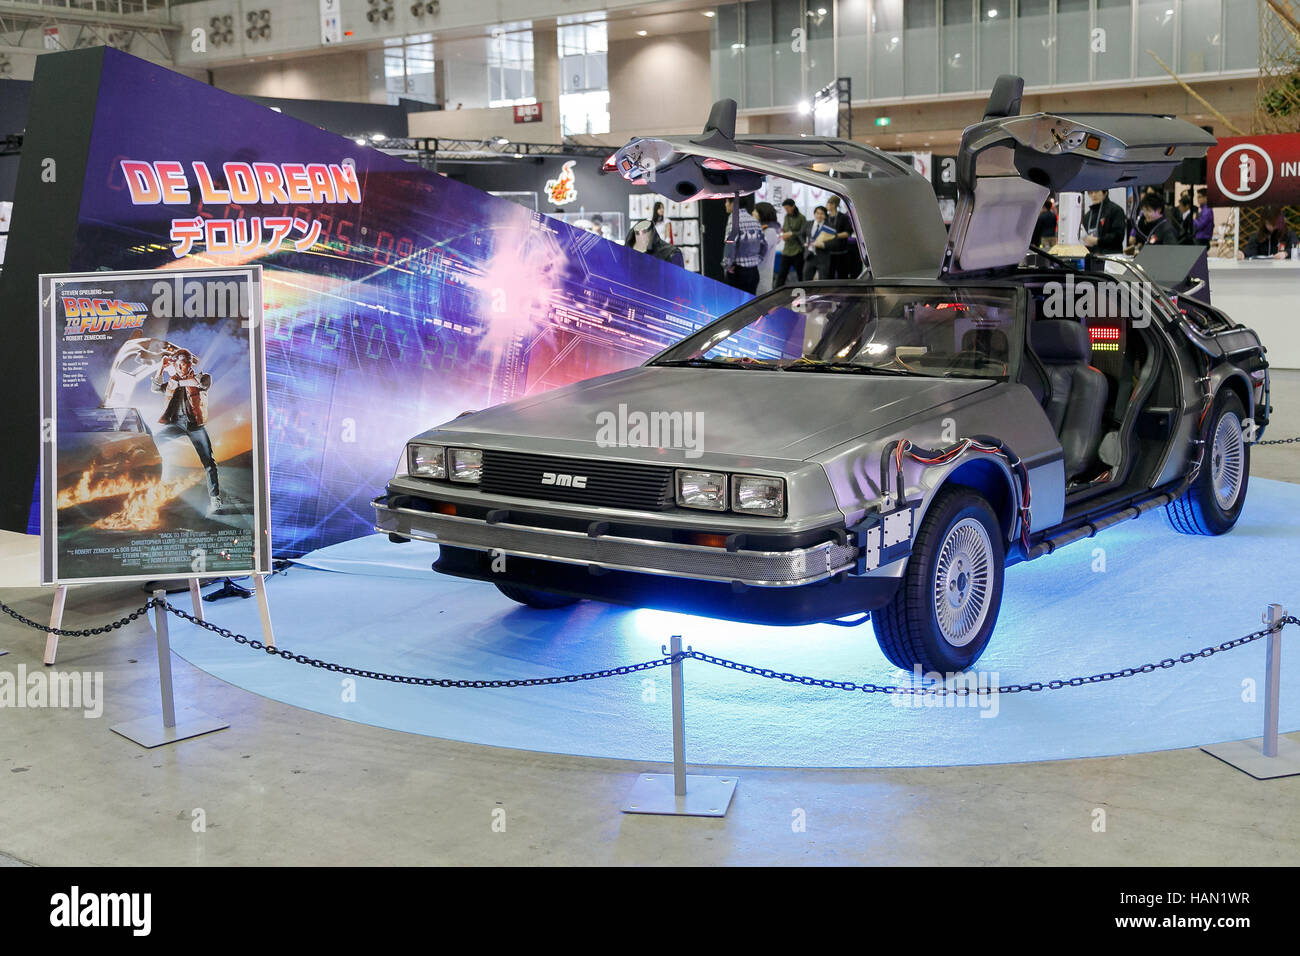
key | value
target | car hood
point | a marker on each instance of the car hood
(739, 413)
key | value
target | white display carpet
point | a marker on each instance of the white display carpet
(376, 605)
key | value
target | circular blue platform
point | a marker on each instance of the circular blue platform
(1136, 594)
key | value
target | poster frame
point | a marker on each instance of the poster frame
(49, 374)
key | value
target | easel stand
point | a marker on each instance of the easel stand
(679, 793)
(1270, 756)
(196, 600)
(162, 729)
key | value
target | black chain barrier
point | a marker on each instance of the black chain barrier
(84, 632)
(1278, 441)
(690, 653)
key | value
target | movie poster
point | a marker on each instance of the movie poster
(154, 458)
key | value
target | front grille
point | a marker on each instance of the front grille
(610, 484)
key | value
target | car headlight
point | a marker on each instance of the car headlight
(756, 495)
(706, 490)
(426, 461)
(466, 464)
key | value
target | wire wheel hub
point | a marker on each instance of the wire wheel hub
(963, 576)
(1227, 461)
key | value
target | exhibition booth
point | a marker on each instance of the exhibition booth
(257, 342)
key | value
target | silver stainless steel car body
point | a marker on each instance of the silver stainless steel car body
(864, 457)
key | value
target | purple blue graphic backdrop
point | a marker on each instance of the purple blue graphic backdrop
(422, 300)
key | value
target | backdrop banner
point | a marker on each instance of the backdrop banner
(395, 298)
(154, 460)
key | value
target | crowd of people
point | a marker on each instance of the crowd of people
(764, 250)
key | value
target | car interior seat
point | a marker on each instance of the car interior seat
(990, 343)
(1078, 391)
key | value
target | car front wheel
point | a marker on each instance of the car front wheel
(531, 597)
(942, 616)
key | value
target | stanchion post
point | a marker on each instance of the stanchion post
(146, 731)
(164, 659)
(1273, 616)
(679, 717)
(56, 621)
(1269, 756)
(680, 794)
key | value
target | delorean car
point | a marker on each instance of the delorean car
(888, 444)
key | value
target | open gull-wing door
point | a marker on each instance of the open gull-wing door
(893, 208)
(1008, 163)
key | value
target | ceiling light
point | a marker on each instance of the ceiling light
(359, 141)
(805, 106)
(642, 33)
(378, 137)
(708, 13)
(821, 11)
(993, 14)
(738, 46)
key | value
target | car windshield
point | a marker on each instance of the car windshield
(933, 331)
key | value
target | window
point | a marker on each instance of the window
(921, 47)
(510, 66)
(958, 46)
(408, 68)
(1073, 26)
(886, 330)
(994, 40)
(1034, 41)
(886, 49)
(584, 77)
(1201, 40)
(1115, 17)
(1155, 32)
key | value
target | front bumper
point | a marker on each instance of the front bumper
(611, 552)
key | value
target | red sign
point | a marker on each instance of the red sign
(1254, 170)
(528, 113)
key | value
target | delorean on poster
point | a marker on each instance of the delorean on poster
(154, 459)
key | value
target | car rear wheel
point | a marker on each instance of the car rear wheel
(943, 614)
(1213, 502)
(542, 600)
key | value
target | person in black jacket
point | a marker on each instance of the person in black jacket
(1272, 240)
(1045, 227)
(643, 237)
(1186, 219)
(1104, 225)
(1159, 229)
(845, 261)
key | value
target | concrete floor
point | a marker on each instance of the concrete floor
(286, 786)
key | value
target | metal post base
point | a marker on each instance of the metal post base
(149, 732)
(704, 797)
(1248, 757)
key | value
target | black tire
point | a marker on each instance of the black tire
(541, 600)
(1205, 507)
(908, 627)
